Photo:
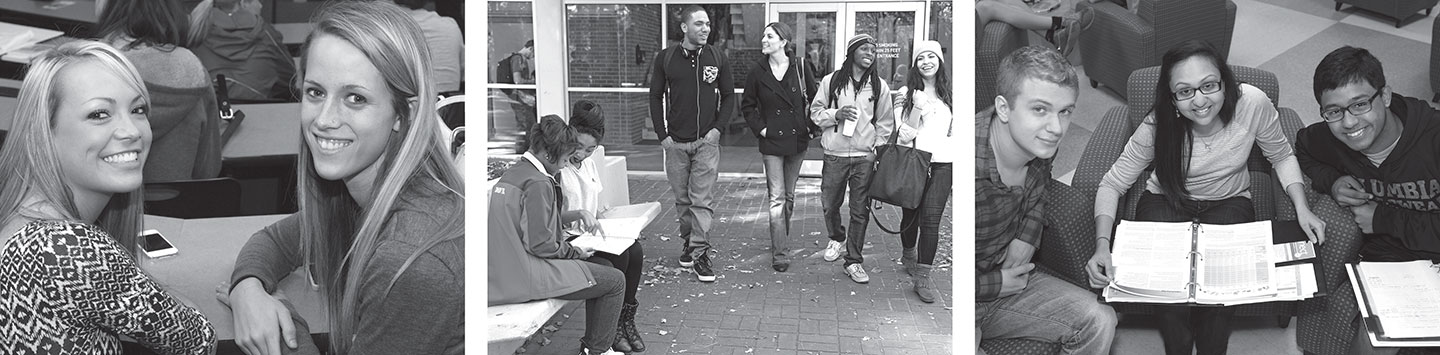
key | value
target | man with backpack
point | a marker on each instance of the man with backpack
(516, 69)
(701, 92)
(854, 111)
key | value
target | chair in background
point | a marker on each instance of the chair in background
(1271, 203)
(1120, 42)
(204, 198)
(993, 42)
(1396, 9)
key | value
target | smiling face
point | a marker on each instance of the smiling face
(588, 143)
(1370, 132)
(346, 112)
(928, 63)
(1038, 116)
(1194, 75)
(865, 55)
(696, 28)
(771, 42)
(101, 132)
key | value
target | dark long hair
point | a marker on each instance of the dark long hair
(783, 31)
(842, 76)
(157, 23)
(1173, 137)
(915, 81)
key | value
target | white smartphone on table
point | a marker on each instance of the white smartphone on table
(155, 245)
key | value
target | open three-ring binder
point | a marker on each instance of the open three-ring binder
(1399, 301)
(1211, 264)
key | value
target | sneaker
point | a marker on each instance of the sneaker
(685, 259)
(857, 273)
(832, 251)
(702, 269)
(1067, 37)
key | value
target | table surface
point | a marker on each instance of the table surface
(269, 130)
(208, 248)
(79, 11)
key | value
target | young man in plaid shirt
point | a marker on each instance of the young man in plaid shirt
(1015, 141)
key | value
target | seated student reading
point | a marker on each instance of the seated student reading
(528, 257)
(580, 185)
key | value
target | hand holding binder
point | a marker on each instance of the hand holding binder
(1100, 268)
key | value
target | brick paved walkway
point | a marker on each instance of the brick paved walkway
(813, 308)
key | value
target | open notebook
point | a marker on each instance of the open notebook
(621, 227)
(1196, 263)
(1400, 301)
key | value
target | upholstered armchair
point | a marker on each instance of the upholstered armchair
(1120, 42)
(993, 42)
(1065, 245)
(1110, 137)
(1396, 9)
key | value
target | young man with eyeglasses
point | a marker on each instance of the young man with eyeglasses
(1378, 153)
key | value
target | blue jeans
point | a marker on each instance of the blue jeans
(781, 172)
(1049, 310)
(1185, 328)
(835, 175)
(924, 222)
(692, 169)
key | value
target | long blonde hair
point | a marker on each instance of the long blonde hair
(32, 166)
(340, 236)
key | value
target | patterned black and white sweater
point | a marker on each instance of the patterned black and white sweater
(69, 288)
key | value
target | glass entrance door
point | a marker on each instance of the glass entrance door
(817, 31)
(896, 28)
(822, 29)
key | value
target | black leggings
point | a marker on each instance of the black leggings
(926, 232)
(632, 264)
(1184, 328)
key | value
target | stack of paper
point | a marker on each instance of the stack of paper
(1400, 301)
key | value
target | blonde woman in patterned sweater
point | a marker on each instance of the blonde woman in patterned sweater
(69, 209)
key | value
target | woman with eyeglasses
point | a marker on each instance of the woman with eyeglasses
(1198, 142)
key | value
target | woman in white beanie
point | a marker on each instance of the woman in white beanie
(926, 122)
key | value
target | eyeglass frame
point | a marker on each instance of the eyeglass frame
(1219, 86)
(1370, 102)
